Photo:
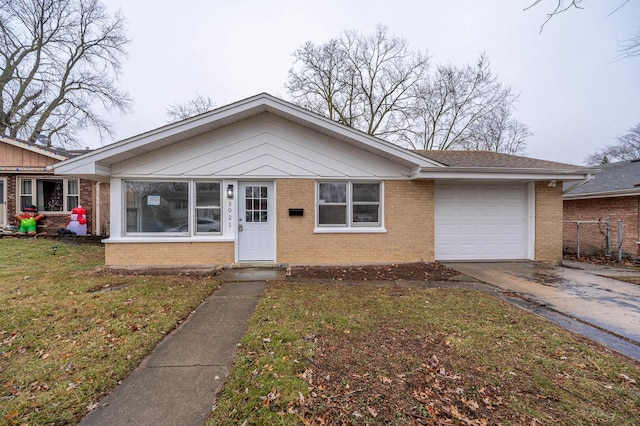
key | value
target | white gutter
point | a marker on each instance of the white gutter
(603, 194)
(499, 173)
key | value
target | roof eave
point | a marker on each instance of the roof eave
(33, 148)
(603, 194)
(499, 173)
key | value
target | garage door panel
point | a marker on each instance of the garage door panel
(490, 211)
(466, 249)
(481, 222)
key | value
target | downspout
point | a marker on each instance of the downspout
(578, 184)
(97, 209)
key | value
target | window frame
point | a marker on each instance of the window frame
(191, 207)
(350, 226)
(66, 209)
(197, 207)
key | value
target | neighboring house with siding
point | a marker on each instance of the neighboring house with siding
(265, 181)
(26, 177)
(612, 194)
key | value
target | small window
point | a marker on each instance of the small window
(349, 204)
(332, 203)
(366, 204)
(207, 207)
(73, 194)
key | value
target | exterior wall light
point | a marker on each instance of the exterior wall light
(230, 191)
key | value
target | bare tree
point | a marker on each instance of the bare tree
(628, 48)
(363, 81)
(198, 105)
(376, 84)
(59, 60)
(626, 147)
(498, 131)
(631, 46)
(454, 103)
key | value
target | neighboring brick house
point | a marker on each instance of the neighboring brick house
(612, 194)
(265, 181)
(26, 177)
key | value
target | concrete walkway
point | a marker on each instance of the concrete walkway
(177, 383)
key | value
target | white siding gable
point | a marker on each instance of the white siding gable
(263, 146)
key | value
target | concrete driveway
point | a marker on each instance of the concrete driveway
(586, 295)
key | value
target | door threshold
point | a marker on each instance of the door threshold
(260, 265)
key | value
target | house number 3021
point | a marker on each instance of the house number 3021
(229, 210)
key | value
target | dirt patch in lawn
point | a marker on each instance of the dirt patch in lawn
(149, 271)
(384, 377)
(419, 271)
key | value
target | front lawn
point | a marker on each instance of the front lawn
(335, 354)
(68, 334)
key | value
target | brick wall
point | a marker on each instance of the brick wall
(409, 223)
(548, 222)
(614, 208)
(52, 221)
(161, 254)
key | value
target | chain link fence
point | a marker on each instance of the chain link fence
(592, 238)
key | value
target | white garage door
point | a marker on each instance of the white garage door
(481, 222)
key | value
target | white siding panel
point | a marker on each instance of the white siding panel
(263, 144)
(481, 222)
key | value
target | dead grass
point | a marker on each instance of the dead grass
(64, 345)
(325, 354)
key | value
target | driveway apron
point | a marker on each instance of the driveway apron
(603, 302)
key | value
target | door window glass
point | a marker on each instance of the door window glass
(256, 204)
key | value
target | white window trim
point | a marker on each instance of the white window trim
(194, 210)
(350, 227)
(192, 235)
(34, 188)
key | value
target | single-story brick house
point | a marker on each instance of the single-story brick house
(26, 177)
(614, 193)
(265, 181)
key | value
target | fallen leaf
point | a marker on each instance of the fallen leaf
(627, 378)
(12, 415)
(384, 379)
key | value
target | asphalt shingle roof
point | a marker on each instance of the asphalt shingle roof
(492, 159)
(614, 177)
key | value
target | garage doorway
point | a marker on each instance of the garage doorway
(483, 221)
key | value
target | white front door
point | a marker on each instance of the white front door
(256, 222)
(3, 202)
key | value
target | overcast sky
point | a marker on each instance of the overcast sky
(574, 95)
